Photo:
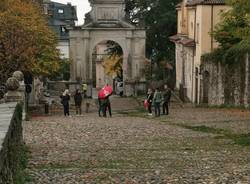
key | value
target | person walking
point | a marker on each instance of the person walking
(157, 102)
(166, 100)
(65, 98)
(150, 96)
(78, 102)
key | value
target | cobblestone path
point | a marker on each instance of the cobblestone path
(132, 148)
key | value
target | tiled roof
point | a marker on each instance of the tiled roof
(202, 2)
(205, 2)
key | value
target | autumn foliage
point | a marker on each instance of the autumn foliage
(113, 65)
(26, 42)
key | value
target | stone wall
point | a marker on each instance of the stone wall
(11, 140)
(225, 84)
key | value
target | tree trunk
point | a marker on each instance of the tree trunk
(246, 80)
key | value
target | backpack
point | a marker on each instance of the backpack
(157, 97)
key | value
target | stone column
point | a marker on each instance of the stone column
(85, 62)
(72, 55)
(127, 65)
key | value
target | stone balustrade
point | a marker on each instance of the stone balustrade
(11, 140)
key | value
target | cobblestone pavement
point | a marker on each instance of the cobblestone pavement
(132, 148)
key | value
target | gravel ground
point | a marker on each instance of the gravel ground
(135, 148)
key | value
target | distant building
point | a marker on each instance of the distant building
(196, 20)
(60, 18)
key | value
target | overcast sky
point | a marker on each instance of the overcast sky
(82, 8)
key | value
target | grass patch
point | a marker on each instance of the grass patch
(205, 129)
(242, 139)
(139, 112)
(223, 106)
(64, 166)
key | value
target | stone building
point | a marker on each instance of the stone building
(60, 17)
(196, 20)
(107, 22)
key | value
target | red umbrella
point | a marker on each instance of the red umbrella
(105, 91)
(108, 88)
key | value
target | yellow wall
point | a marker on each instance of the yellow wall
(191, 22)
(217, 18)
(195, 23)
(179, 12)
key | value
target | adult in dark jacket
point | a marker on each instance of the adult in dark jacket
(157, 99)
(65, 98)
(78, 102)
(166, 99)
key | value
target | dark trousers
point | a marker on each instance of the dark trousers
(85, 94)
(100, 107)
(66, 109)
(165, 108)
(150, 108)
(105, 108)
(157, 109)
(78, 109)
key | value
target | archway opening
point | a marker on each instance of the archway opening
(107, 65)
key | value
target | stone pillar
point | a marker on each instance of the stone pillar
(72, 54)
(85, 56)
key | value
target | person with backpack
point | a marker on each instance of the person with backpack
(157, 99)
(166, 100)
(78, 102)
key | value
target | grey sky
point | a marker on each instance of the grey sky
(82, 8)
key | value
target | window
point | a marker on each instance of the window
(60, 11)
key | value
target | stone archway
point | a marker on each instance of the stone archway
(107, 21)
(107, 64)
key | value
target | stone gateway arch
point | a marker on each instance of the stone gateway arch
(107, 21)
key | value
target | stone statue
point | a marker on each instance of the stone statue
(18, 75)
(16, 90)
(13, 95)
(38, 90)
(12, 84)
